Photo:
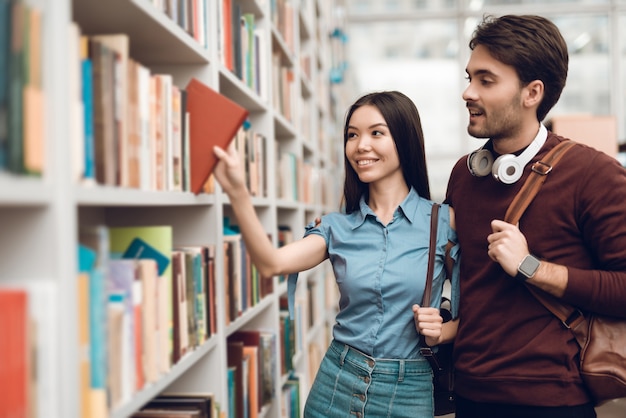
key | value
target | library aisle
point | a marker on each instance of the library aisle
(125, 287)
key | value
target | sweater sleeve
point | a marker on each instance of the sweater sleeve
(601, 218)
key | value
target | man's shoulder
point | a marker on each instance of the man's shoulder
(582, 156)
(581, 149)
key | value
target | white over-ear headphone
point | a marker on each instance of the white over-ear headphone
(507, 168)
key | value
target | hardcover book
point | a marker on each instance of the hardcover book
(204, 401)
(213, 120)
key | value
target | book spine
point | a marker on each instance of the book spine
(5, 48)
(97, 338)
(88, 124)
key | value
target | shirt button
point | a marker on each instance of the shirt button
(359, 395)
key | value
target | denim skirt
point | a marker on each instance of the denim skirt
(351, 384)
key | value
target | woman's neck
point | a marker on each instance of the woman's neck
(385, 200)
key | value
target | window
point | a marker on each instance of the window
(420, 48)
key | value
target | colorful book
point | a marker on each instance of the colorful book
(156, 241)
(138, 248)
(93, 252)
(196, 282)
(176, 141)
(251, 382)
(140, 377)
(211, 295)
(98, 340)
(160, 238)
(148, 279)
(133, 122)
(167, 413)
(115, 350)
(119, 45)
(84, 362)
(269, 364)
(17, 76)
(235, 358)
(145, 127)
(87, 96)
(121, 285)
(232, 392)
(33, 96)
(213, 120)
(252, 342)
(179, 306)
(201, 401)
(5, 47)
(105, 145)
(15, 397)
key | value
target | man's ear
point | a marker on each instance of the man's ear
(533, 93)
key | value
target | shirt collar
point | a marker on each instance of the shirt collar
(408, 208)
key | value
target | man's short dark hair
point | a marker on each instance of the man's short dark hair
(533, 45)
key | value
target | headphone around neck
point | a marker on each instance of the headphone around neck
(507, 168)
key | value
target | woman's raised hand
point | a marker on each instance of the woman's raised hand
(228, 172)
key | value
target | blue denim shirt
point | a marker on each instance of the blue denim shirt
(381, 269)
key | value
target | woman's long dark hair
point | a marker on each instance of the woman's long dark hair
(405, 126)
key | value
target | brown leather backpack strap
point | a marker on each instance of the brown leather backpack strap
(568, 315)
(540, 171)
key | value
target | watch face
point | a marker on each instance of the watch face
(529, 266)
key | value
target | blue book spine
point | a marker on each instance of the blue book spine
(199, 296)
(87, 93)
(86, 258)
(97, 328)
(232, 403)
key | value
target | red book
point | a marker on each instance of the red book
(213, 120)
(14, 352)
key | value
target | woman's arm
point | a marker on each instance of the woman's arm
(269, 260)
(448, 332)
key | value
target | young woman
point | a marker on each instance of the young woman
(378, 247)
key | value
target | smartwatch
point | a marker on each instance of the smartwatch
(527, 268)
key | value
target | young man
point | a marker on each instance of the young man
(513, 357)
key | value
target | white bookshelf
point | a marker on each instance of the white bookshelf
(40, 216)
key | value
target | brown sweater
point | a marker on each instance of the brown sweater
(509, 348)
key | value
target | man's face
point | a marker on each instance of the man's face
(493, 97)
